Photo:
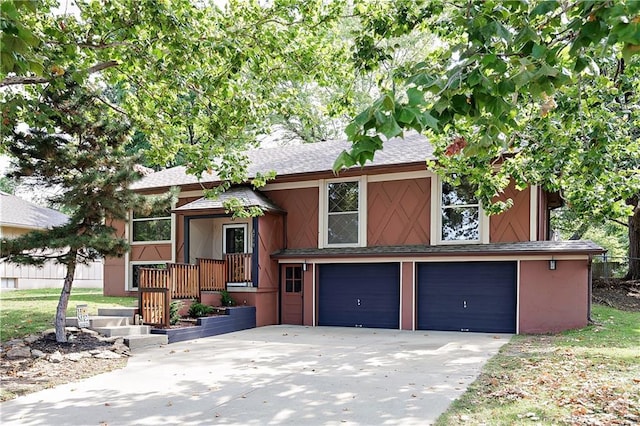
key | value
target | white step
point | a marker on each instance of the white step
(101, 321)
(145, 341)
(117, 312)
(123, 330)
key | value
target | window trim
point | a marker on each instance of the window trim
(436, 215)
(323, 212)
(171, 219)
(225, 226)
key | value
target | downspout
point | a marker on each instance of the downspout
(254, 258)
(590, 291)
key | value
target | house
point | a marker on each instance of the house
(388, 245)
(18, 217)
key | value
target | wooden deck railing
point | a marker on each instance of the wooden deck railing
(154, 296)
(184, 281)
(212, 274)
(157, 287)
(238, 267)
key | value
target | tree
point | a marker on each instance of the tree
(548, 89)
(198, 80)
(80, 153)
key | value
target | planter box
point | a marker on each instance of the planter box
(236, 319)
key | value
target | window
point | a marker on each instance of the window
(235, 238)
(293, 279)
(151, 228)
(460, 213)
(343, 202)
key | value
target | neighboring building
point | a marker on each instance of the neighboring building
(388, 245)
(18, 217)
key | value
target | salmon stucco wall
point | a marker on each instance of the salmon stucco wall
(265, 301)
(270, 240)
(114, 268)
(512, 225)
(301, 206)
(398, 212)
(406, 290)
(552, 301)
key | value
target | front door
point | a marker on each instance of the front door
(291, 289)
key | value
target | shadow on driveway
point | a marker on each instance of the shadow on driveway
(274, 375)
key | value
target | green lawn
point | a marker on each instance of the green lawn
(579, 377)
(24, 312)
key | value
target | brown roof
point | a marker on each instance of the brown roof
(299, 159)
(525, 247)
(247, 197)
(16, 212)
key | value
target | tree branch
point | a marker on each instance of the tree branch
(24, 80)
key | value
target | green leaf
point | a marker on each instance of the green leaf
(389, 127)
(406, 115)
(415, 96)
(344, 161)
(427, 120)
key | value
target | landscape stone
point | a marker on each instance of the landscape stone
(72, 329)
(15, 342)
(37, 353)
(107, 355)
(74, 356)
(31, 338)
(17, 352)
(56, 357)
(90, 332)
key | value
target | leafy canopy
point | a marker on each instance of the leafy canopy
(549, 89)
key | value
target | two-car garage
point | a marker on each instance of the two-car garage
(464, 296)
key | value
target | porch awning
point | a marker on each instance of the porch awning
(248, 198)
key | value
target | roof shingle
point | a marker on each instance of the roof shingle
(16, 212)
(305, 158)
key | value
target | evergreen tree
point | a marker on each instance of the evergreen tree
(78, 151)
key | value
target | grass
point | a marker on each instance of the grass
(579, 377)
(24, 312)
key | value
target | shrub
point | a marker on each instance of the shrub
(226, 299)
(174, 312)
(198, 309)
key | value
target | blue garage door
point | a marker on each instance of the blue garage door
(359, 295)
(467, 296)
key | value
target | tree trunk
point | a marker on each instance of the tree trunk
(634, 243)
(61, 311)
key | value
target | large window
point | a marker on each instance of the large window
(343, 201)
(151, 228)
(460, 213)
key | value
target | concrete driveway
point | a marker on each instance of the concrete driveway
(274, 375)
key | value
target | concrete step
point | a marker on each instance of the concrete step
(137, 342)
(101, 321)
(123, 330)
(117, 312)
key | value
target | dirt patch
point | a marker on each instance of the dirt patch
(617, 293)
(39, 362)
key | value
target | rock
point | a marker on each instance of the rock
(56, 357)
(49, 331)
(15, 342)
(72, 329)
(17, 352)
(90, 332)
(74, 356)
(107, 355)
(37, 354)
(94, 351)
(32, 338)
(120, 348)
